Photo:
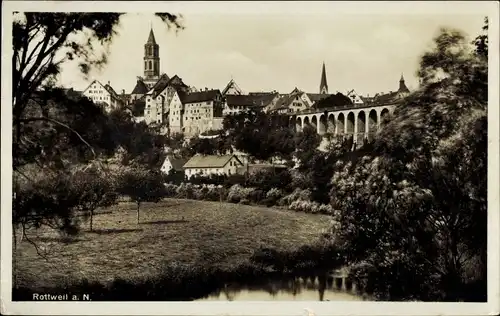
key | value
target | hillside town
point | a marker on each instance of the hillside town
(189, 186)
(172, 105)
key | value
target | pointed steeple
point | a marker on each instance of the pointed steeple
(402, 85)
(323, 86)
(151, 38)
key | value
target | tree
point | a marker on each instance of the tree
(259, 134)
(52, 129)
(141, 185)
(95, 189)
(414, 209)
(306, 145)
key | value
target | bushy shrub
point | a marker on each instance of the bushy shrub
(274, 193)
(170, 190)
(256, 196)
(297, 194)
(185, 191)
(304, 206)
(299, 180)
(237, 193)
(234, 179)
(269, 179)
(211, 192)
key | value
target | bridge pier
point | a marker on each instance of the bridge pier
(343, 286)
(354, 287)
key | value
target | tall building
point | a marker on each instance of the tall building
(151, 61)
(323, 86)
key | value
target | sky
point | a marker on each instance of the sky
(264, 52)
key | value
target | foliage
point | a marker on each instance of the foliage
(259, 134)
(269, 179)
(297, 194)
(175, 177)
(237, 193)
(208, 146)
(52, 128)
(481, 41)
(306, 145)
(95, 189)
(415, 208)
(141, 185)
(142, 144)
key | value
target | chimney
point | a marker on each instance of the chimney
(123, 91)
(206, 89)
(109, 83)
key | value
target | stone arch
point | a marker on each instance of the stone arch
(323, 124)
(372, 124)
(384, 116)
(298, 124)
(307, 122)
(331, 124)
(341, 124)
(314, 122)
(361, 121)
(350, 124)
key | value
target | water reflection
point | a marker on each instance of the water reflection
(310, 288)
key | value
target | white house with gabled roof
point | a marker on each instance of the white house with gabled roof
(103, 95)
(206, 165)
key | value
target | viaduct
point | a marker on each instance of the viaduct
(360, 122)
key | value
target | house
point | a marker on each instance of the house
(156, 109)
(103, 95)
(356, 99)
(234, 104)
(202, 112)
(206, 165)
(136, 109)
(393, 96)
(232, 89)
(294, 102)
(172, 163)
(139, 90)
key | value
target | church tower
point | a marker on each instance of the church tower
(151, 60)
(402, 86)
(323, 86)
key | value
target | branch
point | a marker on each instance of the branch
(32, 242)
(48, 119)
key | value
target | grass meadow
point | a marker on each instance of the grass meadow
(187, 232)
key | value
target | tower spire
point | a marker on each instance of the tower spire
(402, 85)
(151, 38)
(323, 86)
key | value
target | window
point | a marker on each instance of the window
(150, 65)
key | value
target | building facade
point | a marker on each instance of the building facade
(103, 95)
(206, 165)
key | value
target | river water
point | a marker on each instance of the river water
(297, 289)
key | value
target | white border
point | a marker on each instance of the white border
(490, 8)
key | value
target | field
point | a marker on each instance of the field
(183, 231)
